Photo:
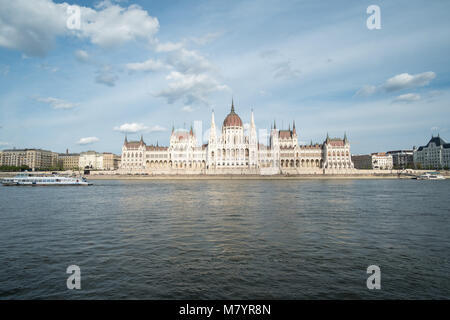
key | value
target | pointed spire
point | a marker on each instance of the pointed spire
(126, 140)
(345, 137)
(232, 105)
(213, 123)
(173, 127)
(142, 138)
(293, 127)
(274, 124)
(190, 131)
(252, 120)
(328, 137)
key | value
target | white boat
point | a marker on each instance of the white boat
(431, 176)
(31, 179)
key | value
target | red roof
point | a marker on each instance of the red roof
(232, 120)
(156, 148)
(285, 134)
(133, 144)
(336, 143)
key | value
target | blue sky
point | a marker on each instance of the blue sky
(139, 67)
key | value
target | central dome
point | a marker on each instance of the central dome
(232, 119)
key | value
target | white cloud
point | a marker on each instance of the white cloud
(193, 81)
(114, 25)
(407, 98)
(57, 103)
(366, 91)
(32, 26)
(88, 140)
(131, 127)
(190, 88)
(148, 65)
(138, 127)
(206, 38)
(82, 56)
(187, 109)
(407, 81)
(106, 76)
(157, 128)
(4, 143)
(168, 46)
(188, 61)
(399, 82)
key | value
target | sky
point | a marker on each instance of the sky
(142, 67)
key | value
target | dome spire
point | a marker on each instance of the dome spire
(232, 119)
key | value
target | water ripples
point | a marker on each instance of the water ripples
(223, 239)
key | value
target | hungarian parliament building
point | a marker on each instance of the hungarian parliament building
(236, 151)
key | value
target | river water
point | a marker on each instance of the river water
(227, 239)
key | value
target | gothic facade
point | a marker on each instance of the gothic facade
(232, 151)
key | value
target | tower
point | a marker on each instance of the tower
(253, 144)
(212, 143)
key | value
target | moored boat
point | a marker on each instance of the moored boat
(430, 176)
(32, 179)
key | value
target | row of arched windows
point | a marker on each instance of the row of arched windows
(338, 154)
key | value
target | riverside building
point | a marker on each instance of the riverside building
(233, 151)
(436, 154)
(91, 160)
(69, 161)
(379, 160)
(402, 158)
(33, 158)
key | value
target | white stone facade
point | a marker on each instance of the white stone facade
(235, 152)
(91, 160)
(382, 161)
(436, 154)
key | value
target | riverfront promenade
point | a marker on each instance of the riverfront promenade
(358, 174)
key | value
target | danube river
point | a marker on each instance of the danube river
(224, 239)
